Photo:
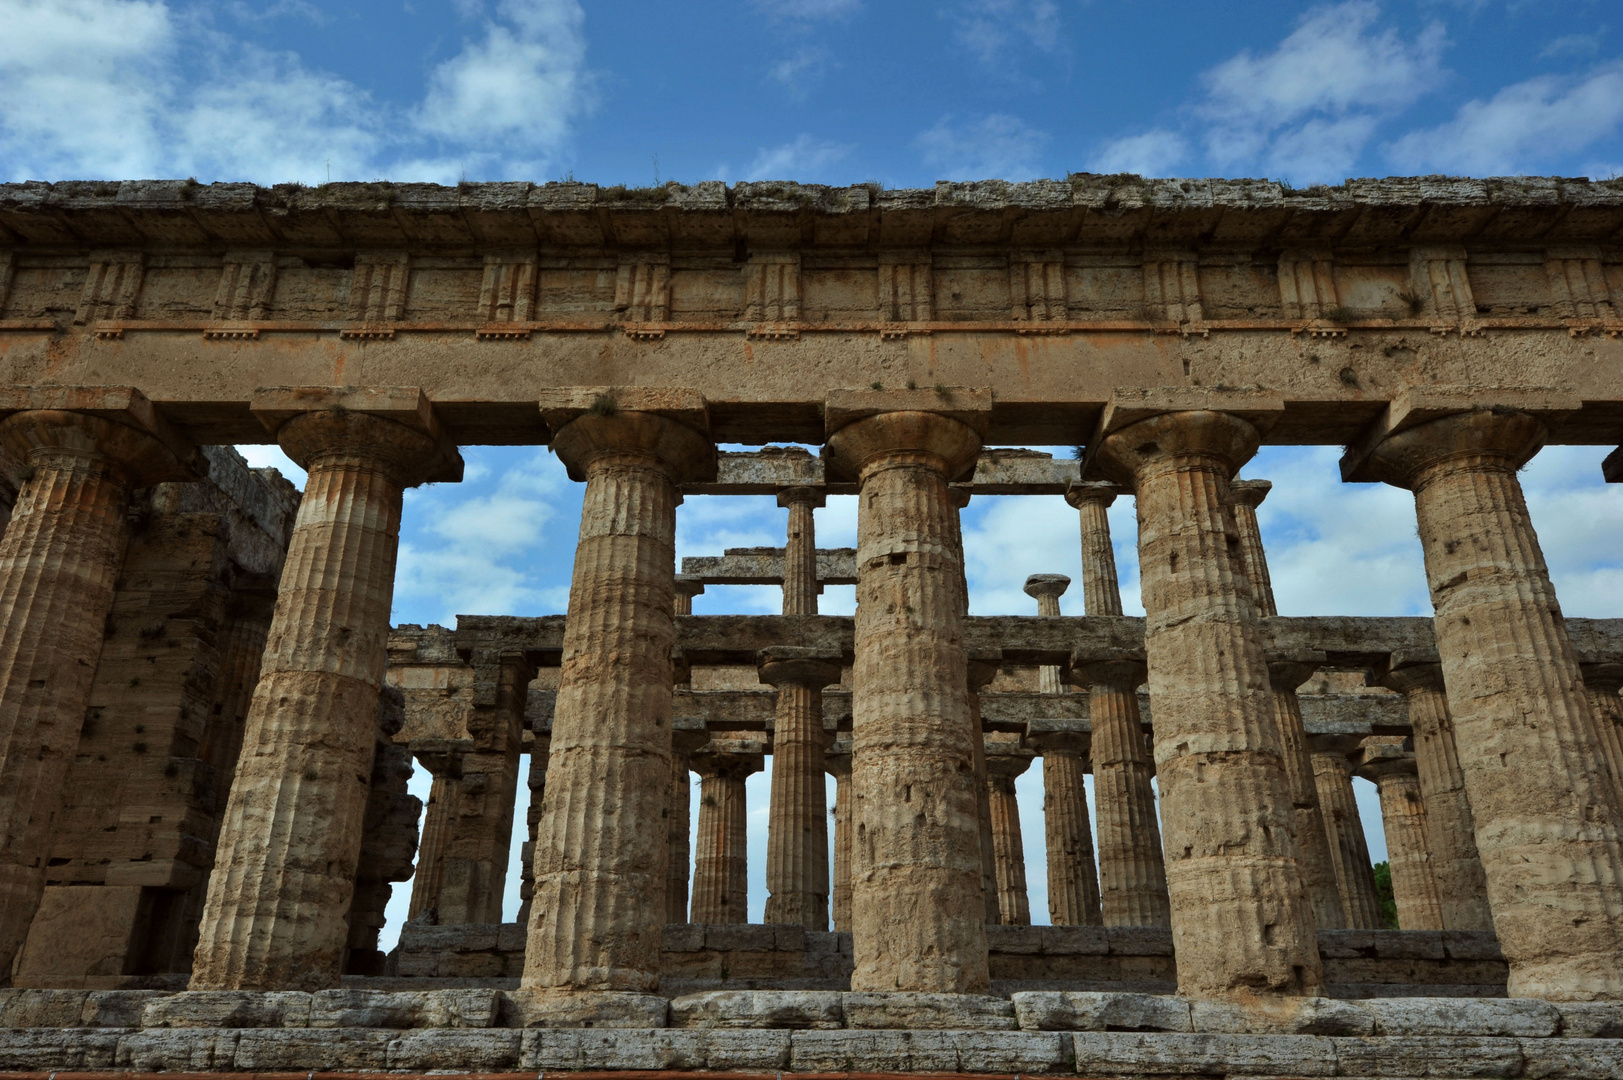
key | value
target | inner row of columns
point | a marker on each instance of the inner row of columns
(1244, 893)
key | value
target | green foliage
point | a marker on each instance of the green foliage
(1383, 895)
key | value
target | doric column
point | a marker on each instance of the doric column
(687, 587)
(1601, 684)
(536, 781)
(480, 839)
(1547, 816)
(918, 915)
(1048, 588)
(1349, 851)
(388, 840)
(437, 819)
(1403, 816)
(837, 760)
(983, 668)
(797, 823)
(1316, 867)
(59, 559)
(291, 834)
(680, 823)
(800, 586)
(1101, 594)
(1073, 890)
(1241, 920)
(721, 852)
(1008, 849)
(600, 864)
(1456, 867)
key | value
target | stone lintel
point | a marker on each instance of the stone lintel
(968, 405)
(408, 406)
(123, 405)
(764, 566)
(998, 471)
(1414, 406)
(561, 405)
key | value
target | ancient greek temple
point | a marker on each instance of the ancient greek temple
(207, 720)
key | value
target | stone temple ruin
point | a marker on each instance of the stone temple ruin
(207, 720)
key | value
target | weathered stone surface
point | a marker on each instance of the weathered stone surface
(929, 1051)
(1570, 1059)
(261, 1050)
(655, 1049)
(1074, 1011)
(758, 1009)
(178, 1050)
(229, 1009)
(1132, 1054)
(1432, 1056)
(1524, 1017)
(43, 1008)
(797, 878)
(597, 1009)
(116, 1008)
(396, 1009)
(1591, 1019)
(53, 1049)
(455, 1051)
(927, 1011)
(1283, 1016)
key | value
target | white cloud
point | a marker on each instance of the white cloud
(991, 28)
(1308, 108)
(806, 158)
(1571, 45)
(1520, 126)
(801, 70)
(997, 146)
(1153, 153)
(128, 88)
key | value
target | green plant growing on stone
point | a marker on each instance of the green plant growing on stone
(1383, 895)
(604, 405)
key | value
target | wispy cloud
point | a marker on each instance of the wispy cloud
(801, 70)
(1520, 126)
(1151, 153)
(806, 158)
(995, 146)
(1572, 45)
(991, 29)
(121, 88)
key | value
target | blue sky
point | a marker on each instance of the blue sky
(840, 91)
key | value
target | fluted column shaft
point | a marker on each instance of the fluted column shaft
(1241, 920)
(430, 873)
(721, 850)
(1008, 847)
(800, 552)
(1403, 817)
(918, 914)
(839, 766)
(1601, 685)
(536, 781)
(982, 672)
(679, 825)
(797, 825)
(285, 872)
(1462, 891)
(1349, 850)
(59, 558)
(1101, 592)
(598, 917)
(1547, 816)
(1073, 890)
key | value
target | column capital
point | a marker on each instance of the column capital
(1101, 492)
(685, 454)
(798, 666)
(1222, 437)
(1407, 676)
(1403, 457)
(946, 444)
(1060, 742)
(1384, 758)
(1603, 677)
(731, 759)
(802, 496)
(1122, 672)
(115, 425)
(1289, 674)
(837, 757)
(1249, 493)
(689, 585)
(1042, 585)
(984, 665)
(1007, 760)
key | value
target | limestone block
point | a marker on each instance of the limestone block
(654, 1049)
(1472, 945)
(229, 1009)
(1070, 940)
(1523, 1017)
(1140, 941)
(313, 1051)
(117, 1008)
(928, 1051)
(918, 1011)
(42, 1008)
(1592, 1019)
(456, 1051)
(1282, 1016)
(1134, 1054)
(1011, 1052)
(596, 1009)
(79, 932)
(740, 937)
(758, 1009)
(177, 1050)
(1573, 1059)
(683, 937)
(53, 1049)
(510, 937)
(405, 1009)
(1434, 1056)
(1050, 1010)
